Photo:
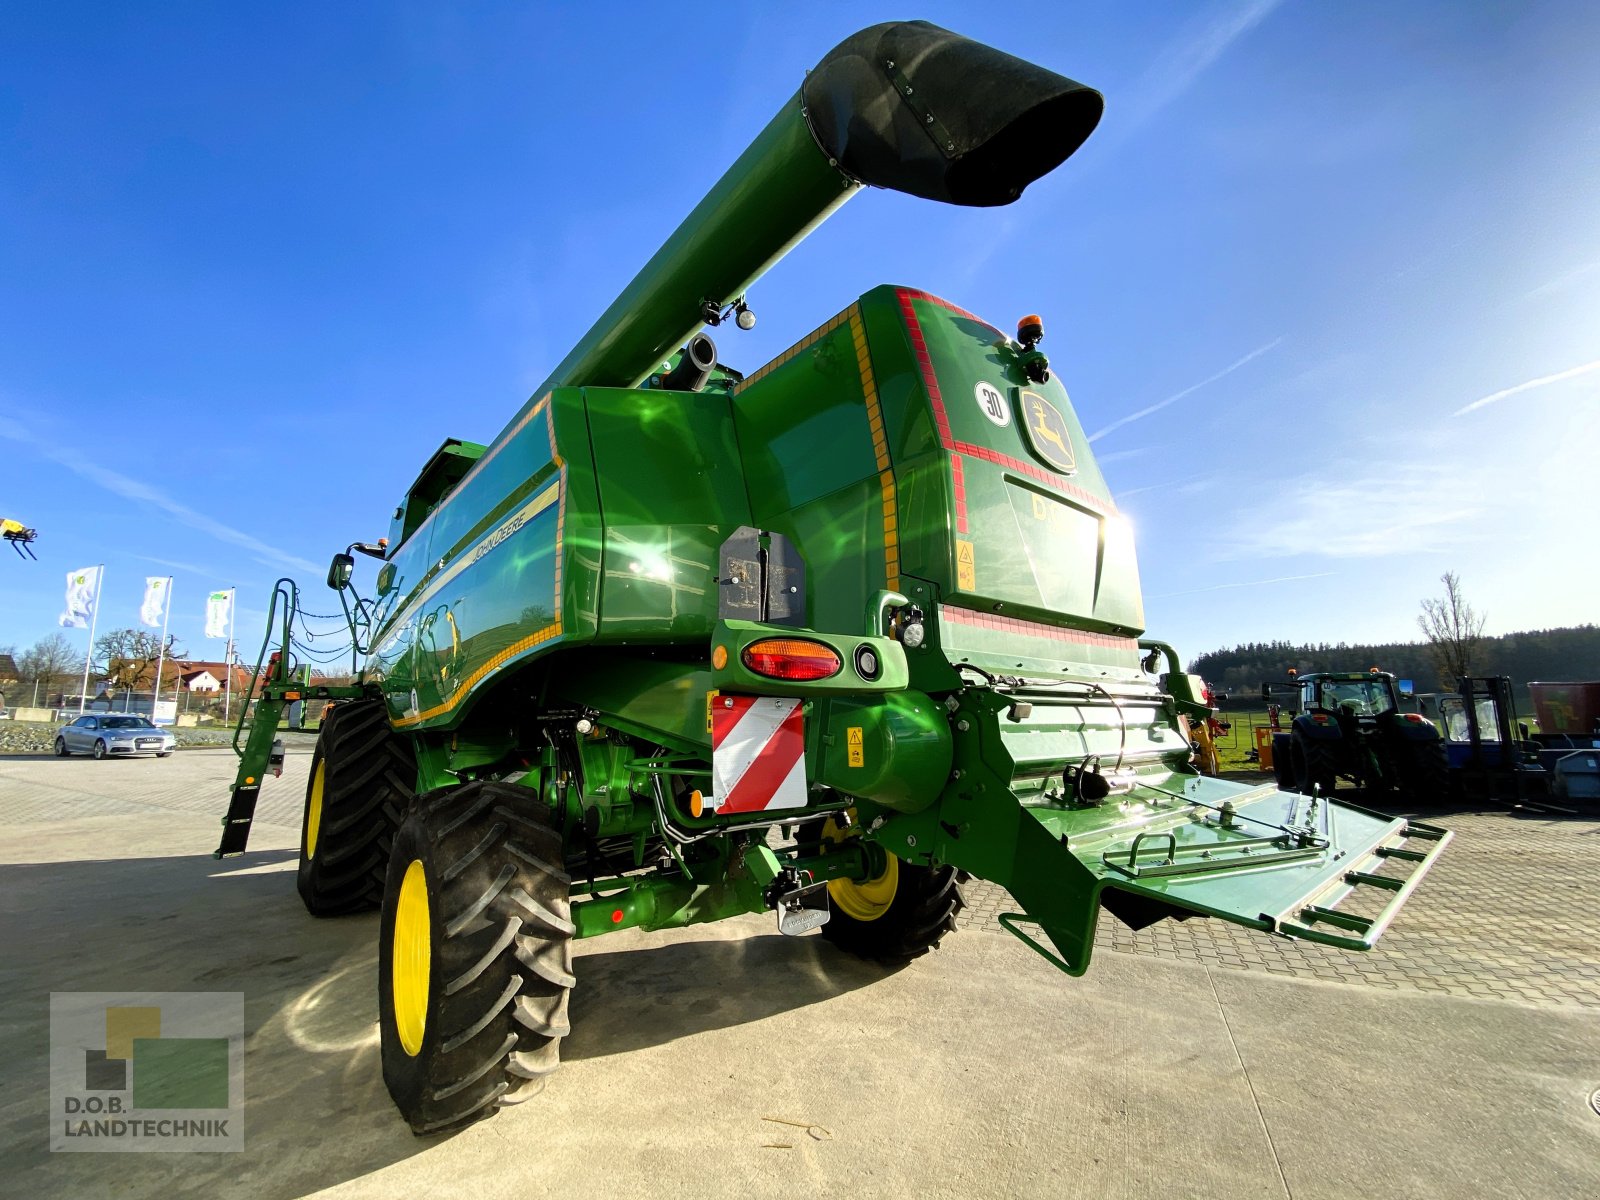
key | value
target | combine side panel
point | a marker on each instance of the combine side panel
(484, 581)
(671, 492)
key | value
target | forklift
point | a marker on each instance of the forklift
(1492, 757)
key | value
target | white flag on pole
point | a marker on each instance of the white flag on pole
(81, 588)
(219, 614)
(155, 600)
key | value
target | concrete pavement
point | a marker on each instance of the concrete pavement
(726, 1060)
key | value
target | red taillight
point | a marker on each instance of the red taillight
(791, 658)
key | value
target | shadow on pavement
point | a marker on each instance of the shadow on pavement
(316, 1112)
(633, 999)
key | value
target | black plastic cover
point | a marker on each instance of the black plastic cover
(763, 578)
(918, 109)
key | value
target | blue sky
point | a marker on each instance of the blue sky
(1325, 284)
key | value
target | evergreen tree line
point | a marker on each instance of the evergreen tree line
(1550, 655)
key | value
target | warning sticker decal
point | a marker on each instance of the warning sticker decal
(966, 566)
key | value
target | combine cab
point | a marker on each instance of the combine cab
(822, 639)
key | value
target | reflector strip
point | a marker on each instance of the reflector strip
(880, 450)
(757, 754)
(1082, 637)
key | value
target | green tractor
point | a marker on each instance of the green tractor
(1348, 725)
(821, 639)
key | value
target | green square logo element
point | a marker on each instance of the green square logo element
(180, 1073)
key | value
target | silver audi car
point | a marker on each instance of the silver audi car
(105, 735)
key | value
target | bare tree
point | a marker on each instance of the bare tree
(49, 662)
(1453, 630)
(131, 656)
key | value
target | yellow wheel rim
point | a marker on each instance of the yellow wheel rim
(868, 899)
(412, 959)
(314, 809)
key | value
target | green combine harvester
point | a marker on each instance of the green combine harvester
(824, 640)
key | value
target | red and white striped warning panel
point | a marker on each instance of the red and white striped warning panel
(758, 759)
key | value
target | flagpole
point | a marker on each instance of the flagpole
(161, 660)
(94, 616)
(227, 664)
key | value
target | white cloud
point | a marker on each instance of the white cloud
(1493, 397)
(1376, 511)
(144, 493)
(1222, 587)
(1188, 391)
(176, 566)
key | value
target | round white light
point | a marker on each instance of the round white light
(911, 634)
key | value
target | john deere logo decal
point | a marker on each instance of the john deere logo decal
(1047, 433)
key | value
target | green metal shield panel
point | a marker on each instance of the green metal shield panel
(671, 491)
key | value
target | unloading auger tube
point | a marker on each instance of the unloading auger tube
(875, 594)
(905, 106)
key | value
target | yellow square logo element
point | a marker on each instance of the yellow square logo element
(125, 1024)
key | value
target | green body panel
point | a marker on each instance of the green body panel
(671, 492)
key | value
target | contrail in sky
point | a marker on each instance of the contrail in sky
(1253, 583)
(1190, 390)
(137, 490)
(1572, 373)
(1180, 64)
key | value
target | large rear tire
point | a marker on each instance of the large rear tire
(1425, 774)
(474, 954)
(1316, 764)
(362, 781)
(900, 915)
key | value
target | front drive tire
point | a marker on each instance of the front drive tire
(61, 748)
(895, 918)
(1315, 763)
(474, 954)
(362, 781)
(100, 748)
